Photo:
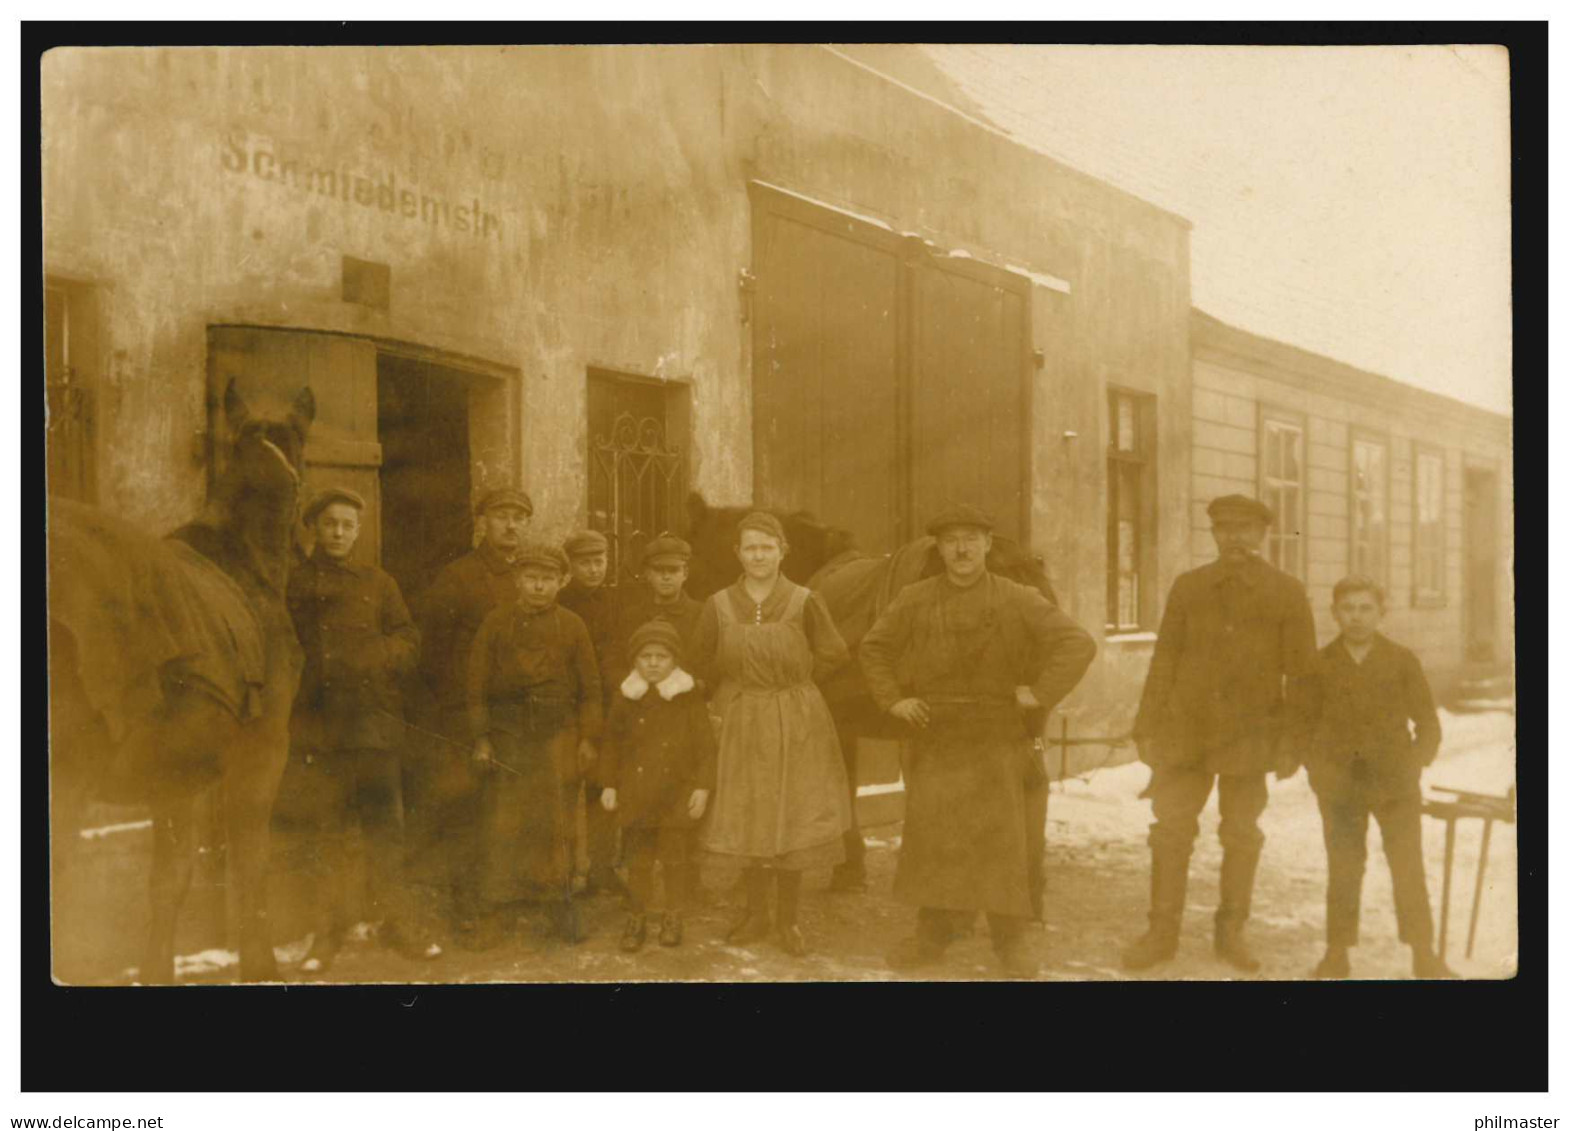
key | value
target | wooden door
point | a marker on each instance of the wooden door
(269, 367)
(969, 391)
(1481, 565)
(825, 407)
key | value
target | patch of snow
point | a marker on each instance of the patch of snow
(110, 830)
(865, 219)
(205, 962)
(1041, 279)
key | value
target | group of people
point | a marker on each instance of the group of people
(670, 731)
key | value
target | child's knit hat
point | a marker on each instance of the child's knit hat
(657, 631)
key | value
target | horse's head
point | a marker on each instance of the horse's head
(1011, 560)
(266, 456)
(712, 534)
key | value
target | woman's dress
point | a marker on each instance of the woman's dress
(781, 796)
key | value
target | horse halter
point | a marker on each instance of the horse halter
(277, 451)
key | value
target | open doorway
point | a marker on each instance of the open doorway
(423, 424)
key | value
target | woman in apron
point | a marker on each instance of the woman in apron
(781, 801)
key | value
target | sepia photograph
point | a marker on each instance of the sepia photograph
(779, 513)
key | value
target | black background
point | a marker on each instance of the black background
(1099, 1036)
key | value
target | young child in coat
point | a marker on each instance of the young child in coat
(1363, 700)
(657, 765)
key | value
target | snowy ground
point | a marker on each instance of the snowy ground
(1098, 875)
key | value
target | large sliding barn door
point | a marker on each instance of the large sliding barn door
(269, 368)
(969, 408)
(825, 400)
(888, 381)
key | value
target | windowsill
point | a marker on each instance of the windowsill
(1131, 637)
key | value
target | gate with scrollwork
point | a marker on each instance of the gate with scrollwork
(634, 487)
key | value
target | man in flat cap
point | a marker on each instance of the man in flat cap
(444, 790)
(360, 644)
(587, 595)
(958, 658)
(1235, 638)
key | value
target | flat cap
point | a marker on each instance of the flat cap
(586, 542)
(536, 553)
(961, 515)
(505, 497)
(324, 498)
(1239, 507)
(667, 546)
(657, 631)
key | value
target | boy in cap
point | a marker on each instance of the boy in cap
(347, 728)
(587, 595)
(662, 596)
(657, 766)
(1361, 705)
(665, 566)
(443, 787)
(535, 708)
(1236, 638)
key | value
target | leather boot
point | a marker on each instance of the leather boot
(1237, 869)
(1168, 896)
(790, 936)
(1426, 964)
(753, 923)
(1336, 963)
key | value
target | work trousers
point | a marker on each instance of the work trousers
(1345, 840)
(938, 927)
(645, 847)
(345, 786)
(1178, 796)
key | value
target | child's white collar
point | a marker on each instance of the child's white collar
(676, 683)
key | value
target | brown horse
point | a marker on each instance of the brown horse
(856, 587)
(174, 666)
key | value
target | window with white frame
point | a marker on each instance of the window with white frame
(1370, 508)
(1130, 511)
(1427, 541)
(1282, 486)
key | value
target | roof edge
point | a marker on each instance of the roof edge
(1312, 371)
(1183, 221)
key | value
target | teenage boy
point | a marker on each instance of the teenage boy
(587, 595)
(360, 644)
(1368, 729)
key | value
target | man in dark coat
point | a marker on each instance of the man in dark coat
(958, 658)
(1235, 637)
(443, 788)
(347, 728)
(535, 710)
(587, 595)
(1362, 702)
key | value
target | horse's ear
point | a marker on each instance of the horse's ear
(235, 410)
(303, 411)
(696, 510)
